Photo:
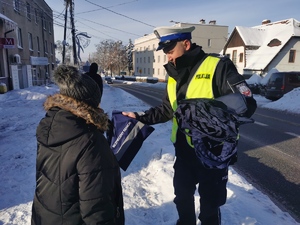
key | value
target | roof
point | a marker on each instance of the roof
(262, 35)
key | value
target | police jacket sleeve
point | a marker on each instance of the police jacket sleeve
(96, 182)
(159, 114)
(227, 80)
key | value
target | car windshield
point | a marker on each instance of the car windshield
(276, 78)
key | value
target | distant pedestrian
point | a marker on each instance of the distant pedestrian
(78, 178)
(93, 73)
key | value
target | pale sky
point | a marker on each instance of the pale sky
(131, 19)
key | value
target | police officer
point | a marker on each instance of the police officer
(194, 74)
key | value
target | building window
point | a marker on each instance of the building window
(30, 43)
(50, 28)
(158, 59)
(148, 71)
(144, 59)
(17, 5)
(234, 55)
(46, 47)
(28, 11)
(45, 24)
(44, 21)
(274, 42)
(241, 58)
(38, 43)
(36, 15)
(158, 70)
(51, 48)
(209, 43)
(20, 42)
(137, 60)
(292, 56)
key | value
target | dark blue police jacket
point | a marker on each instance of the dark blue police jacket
(213, 125)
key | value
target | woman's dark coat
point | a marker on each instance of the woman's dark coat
(78, 179)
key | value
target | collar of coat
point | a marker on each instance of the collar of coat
(185, 62)
(91, 115)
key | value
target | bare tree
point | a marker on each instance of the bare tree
(111, 56)
(68, 51)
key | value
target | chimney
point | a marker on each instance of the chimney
(212, 22)
(202, 21)
(265, 22)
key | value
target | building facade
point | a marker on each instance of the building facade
(149, 62)
(28, 57)
(259, 49)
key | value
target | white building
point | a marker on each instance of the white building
(269, 45)
(149, 62)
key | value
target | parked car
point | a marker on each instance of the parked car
(255, 89)
(281, 83)
(109, 80)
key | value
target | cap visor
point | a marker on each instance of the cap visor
(167, 47)
(159, 47)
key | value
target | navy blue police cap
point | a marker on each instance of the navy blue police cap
(168, 36)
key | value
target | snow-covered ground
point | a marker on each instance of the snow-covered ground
(147, 183)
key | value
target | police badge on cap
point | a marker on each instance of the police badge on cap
(169, 35)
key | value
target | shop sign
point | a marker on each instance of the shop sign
(7, 43)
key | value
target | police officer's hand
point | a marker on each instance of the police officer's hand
(129, 114)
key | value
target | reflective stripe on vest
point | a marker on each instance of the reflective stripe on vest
(199, 87)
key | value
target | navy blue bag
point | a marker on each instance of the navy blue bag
(126, 136)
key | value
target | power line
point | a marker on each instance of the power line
(107, 7)
(109, 27)
(119, 14)
(97, 31)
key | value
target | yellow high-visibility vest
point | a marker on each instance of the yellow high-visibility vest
(200, 86)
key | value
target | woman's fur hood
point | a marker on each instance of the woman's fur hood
(91, 115)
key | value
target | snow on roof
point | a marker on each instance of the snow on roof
(262, 35)
(7, 19)
(251, 36)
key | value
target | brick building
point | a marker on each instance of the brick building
(27, 49)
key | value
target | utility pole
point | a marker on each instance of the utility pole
(73, 31)
(64, 42)
(70, 5)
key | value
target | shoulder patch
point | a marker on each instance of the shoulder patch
(244, 89)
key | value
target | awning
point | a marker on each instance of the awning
(8, 21)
